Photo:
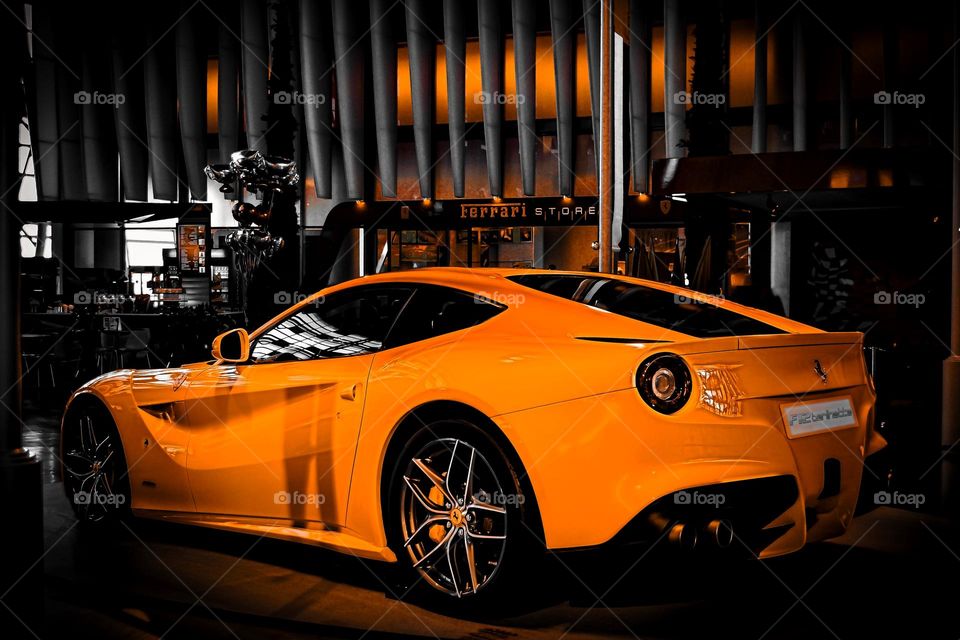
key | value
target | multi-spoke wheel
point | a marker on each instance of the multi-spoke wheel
(94, 469)
(459, 506)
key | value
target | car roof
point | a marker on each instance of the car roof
(481, 280)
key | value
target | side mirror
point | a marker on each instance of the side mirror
(232, 346)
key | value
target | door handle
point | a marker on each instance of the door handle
(351, 392)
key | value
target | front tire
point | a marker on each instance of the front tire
(94, 467)
(458, 514)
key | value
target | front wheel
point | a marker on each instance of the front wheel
(94, 467)
(460, 515)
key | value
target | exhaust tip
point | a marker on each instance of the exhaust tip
(683, 535)
(721, 533)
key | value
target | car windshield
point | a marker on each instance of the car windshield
(675, 312)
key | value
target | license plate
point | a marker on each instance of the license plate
(807, 418)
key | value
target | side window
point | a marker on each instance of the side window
(434, 311)
(345, 323)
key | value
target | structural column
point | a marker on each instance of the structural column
(890, 61)
(674, 77)
(605, 161)
(951, 366)
(21, 571)
(640, 72)
(799, 82)
(759, 141)
(846, 111)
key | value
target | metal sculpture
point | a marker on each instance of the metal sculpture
(273, 180)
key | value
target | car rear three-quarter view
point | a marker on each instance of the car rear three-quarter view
(458, 422)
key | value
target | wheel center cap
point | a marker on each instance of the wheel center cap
(96, 467)
(456, 517)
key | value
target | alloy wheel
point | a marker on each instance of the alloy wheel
(454, 515)
(91, 468)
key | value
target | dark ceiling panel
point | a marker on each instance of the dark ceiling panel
(290, 18)
(591, 25)
(70, 134)
(639, 74)
(383, 43)
(160, 92)
(525, 58)
(491, 72)
(99, 144)
(43, 124)
(255, 70)
(348, 50)
(130, 114)
(422, 50)
(228, 90)
(562, 22)
(192, 98)
(455, 44)
(317, 79)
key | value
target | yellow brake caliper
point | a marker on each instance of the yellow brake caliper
(437, 531)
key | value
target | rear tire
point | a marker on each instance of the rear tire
(459, 520)
(94, 467)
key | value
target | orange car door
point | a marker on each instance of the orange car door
(276, 438)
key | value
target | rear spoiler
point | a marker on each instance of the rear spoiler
(799, 340)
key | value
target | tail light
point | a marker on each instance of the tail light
(664, 382)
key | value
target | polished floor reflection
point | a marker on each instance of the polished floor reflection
(150, 579)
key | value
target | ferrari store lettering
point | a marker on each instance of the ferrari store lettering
(533, 214)
(571, 214)
(489, 211)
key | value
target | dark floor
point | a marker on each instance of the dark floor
(892, 574)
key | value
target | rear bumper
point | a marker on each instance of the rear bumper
(600, 465)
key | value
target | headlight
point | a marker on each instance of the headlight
(663, 381)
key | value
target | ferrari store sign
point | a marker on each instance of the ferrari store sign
(553, 213)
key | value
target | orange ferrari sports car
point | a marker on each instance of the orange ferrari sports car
(453, 421)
